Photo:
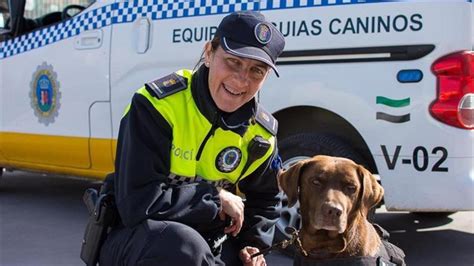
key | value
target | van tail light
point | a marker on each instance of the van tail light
(454, 104)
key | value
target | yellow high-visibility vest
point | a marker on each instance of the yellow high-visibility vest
(224, 153)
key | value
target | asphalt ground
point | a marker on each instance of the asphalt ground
(42, 220)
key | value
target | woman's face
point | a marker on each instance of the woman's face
(233, 80)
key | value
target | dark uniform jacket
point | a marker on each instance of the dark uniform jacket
(142, 188)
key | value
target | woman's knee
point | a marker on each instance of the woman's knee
(173, 243)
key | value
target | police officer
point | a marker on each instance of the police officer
(191, 146)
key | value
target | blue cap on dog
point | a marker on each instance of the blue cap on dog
(248, 34)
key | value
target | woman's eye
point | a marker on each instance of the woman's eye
(232, 61)
(258, 71)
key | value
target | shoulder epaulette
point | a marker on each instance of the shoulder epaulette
(167, 85)
(266, 120)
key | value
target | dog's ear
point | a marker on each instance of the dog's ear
(371, 191)
(288, 181)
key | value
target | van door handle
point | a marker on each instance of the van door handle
(143, 35)
(89, 40)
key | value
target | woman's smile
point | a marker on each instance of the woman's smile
(232, 91)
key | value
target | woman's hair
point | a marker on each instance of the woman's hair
(215, 42)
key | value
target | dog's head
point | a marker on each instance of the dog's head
(332, 192)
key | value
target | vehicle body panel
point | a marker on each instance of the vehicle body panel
(117, 46)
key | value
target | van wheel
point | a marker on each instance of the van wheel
(294, 148)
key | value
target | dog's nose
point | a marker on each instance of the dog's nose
(332, 209)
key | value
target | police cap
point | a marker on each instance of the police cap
(248, 34)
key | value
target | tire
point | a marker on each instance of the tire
(294, 148)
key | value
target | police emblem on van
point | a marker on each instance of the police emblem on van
(228, 159)
(44, 93)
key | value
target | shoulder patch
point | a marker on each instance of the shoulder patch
(167, 85)
(266, 120)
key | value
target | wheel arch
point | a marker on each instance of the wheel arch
(299, 119)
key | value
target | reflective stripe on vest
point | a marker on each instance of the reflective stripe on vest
(190, 128)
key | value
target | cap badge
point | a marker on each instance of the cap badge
(228, 159)
(263, 33)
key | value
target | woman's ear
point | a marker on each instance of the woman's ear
(207, 53)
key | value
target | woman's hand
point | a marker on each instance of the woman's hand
(233, 206)
(245, 256)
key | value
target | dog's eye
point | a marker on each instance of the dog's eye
(351, 189)
(317, 182)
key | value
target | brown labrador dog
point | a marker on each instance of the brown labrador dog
(335, 197)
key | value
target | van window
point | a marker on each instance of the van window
(42, 13)
(4, 14)
(38, 8)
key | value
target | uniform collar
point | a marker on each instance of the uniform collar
(237, 121)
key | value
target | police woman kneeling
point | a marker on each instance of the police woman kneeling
(192, 145)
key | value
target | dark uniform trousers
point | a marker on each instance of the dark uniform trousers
(162, 243)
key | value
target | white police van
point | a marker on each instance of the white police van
(387, 83)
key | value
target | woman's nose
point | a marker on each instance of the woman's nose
(243, 76)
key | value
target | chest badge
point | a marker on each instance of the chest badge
(228, 159)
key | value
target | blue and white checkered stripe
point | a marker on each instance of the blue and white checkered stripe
(177, 180)
(126, 12)
(166, 9)
(162, 9)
